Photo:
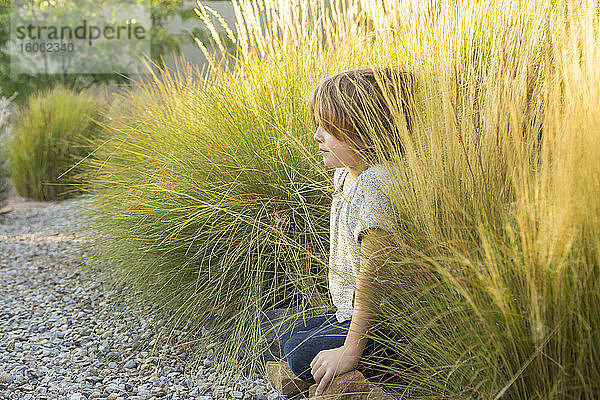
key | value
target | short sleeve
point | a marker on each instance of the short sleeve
(372, 207)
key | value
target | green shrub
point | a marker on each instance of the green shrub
(51, 135)
(210, 207)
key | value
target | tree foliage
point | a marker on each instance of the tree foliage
(162, 43)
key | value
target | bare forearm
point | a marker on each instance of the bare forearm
(364, 312)
(362, 319)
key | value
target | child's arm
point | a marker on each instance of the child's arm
(364, 313)
(330, 363)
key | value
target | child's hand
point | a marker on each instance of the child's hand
(330, 363)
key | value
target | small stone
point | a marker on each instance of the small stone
(112, 365)
(350, 382)
(112, 396)
(272, 396)
(237, 394)
(178, 388)
(211, 345)
(112, 387)
(208, 363)
(94, 378)
(155, 390)
(95, 395)
(131, 364)
(5, 377)
(77, 396)
(85, 332)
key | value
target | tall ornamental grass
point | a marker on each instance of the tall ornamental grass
(51, 135)
(212, 204)
(489, 286)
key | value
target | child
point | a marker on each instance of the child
(346, 109)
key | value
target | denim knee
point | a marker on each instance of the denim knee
(302, 325)
(298, 358)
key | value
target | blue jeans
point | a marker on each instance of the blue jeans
(306, 339)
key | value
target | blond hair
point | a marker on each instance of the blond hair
(364, 105)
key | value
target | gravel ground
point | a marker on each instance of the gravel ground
(64, 336)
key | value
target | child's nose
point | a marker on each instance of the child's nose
(317, 136)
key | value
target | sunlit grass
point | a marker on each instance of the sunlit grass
(51, 134)
(215, 206)
(195, 181)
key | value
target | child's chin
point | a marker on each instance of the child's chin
(332, 164)
(336, 165)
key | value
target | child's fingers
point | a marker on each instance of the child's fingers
(315, 361)
(317, 373)
(323, 383)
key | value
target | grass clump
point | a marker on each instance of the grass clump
(51, 134)
(209, 206)
(491, 284)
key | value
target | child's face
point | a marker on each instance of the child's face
(336, 153)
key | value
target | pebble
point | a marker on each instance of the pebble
(211, 345)
(66, 334)
(5, 377)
